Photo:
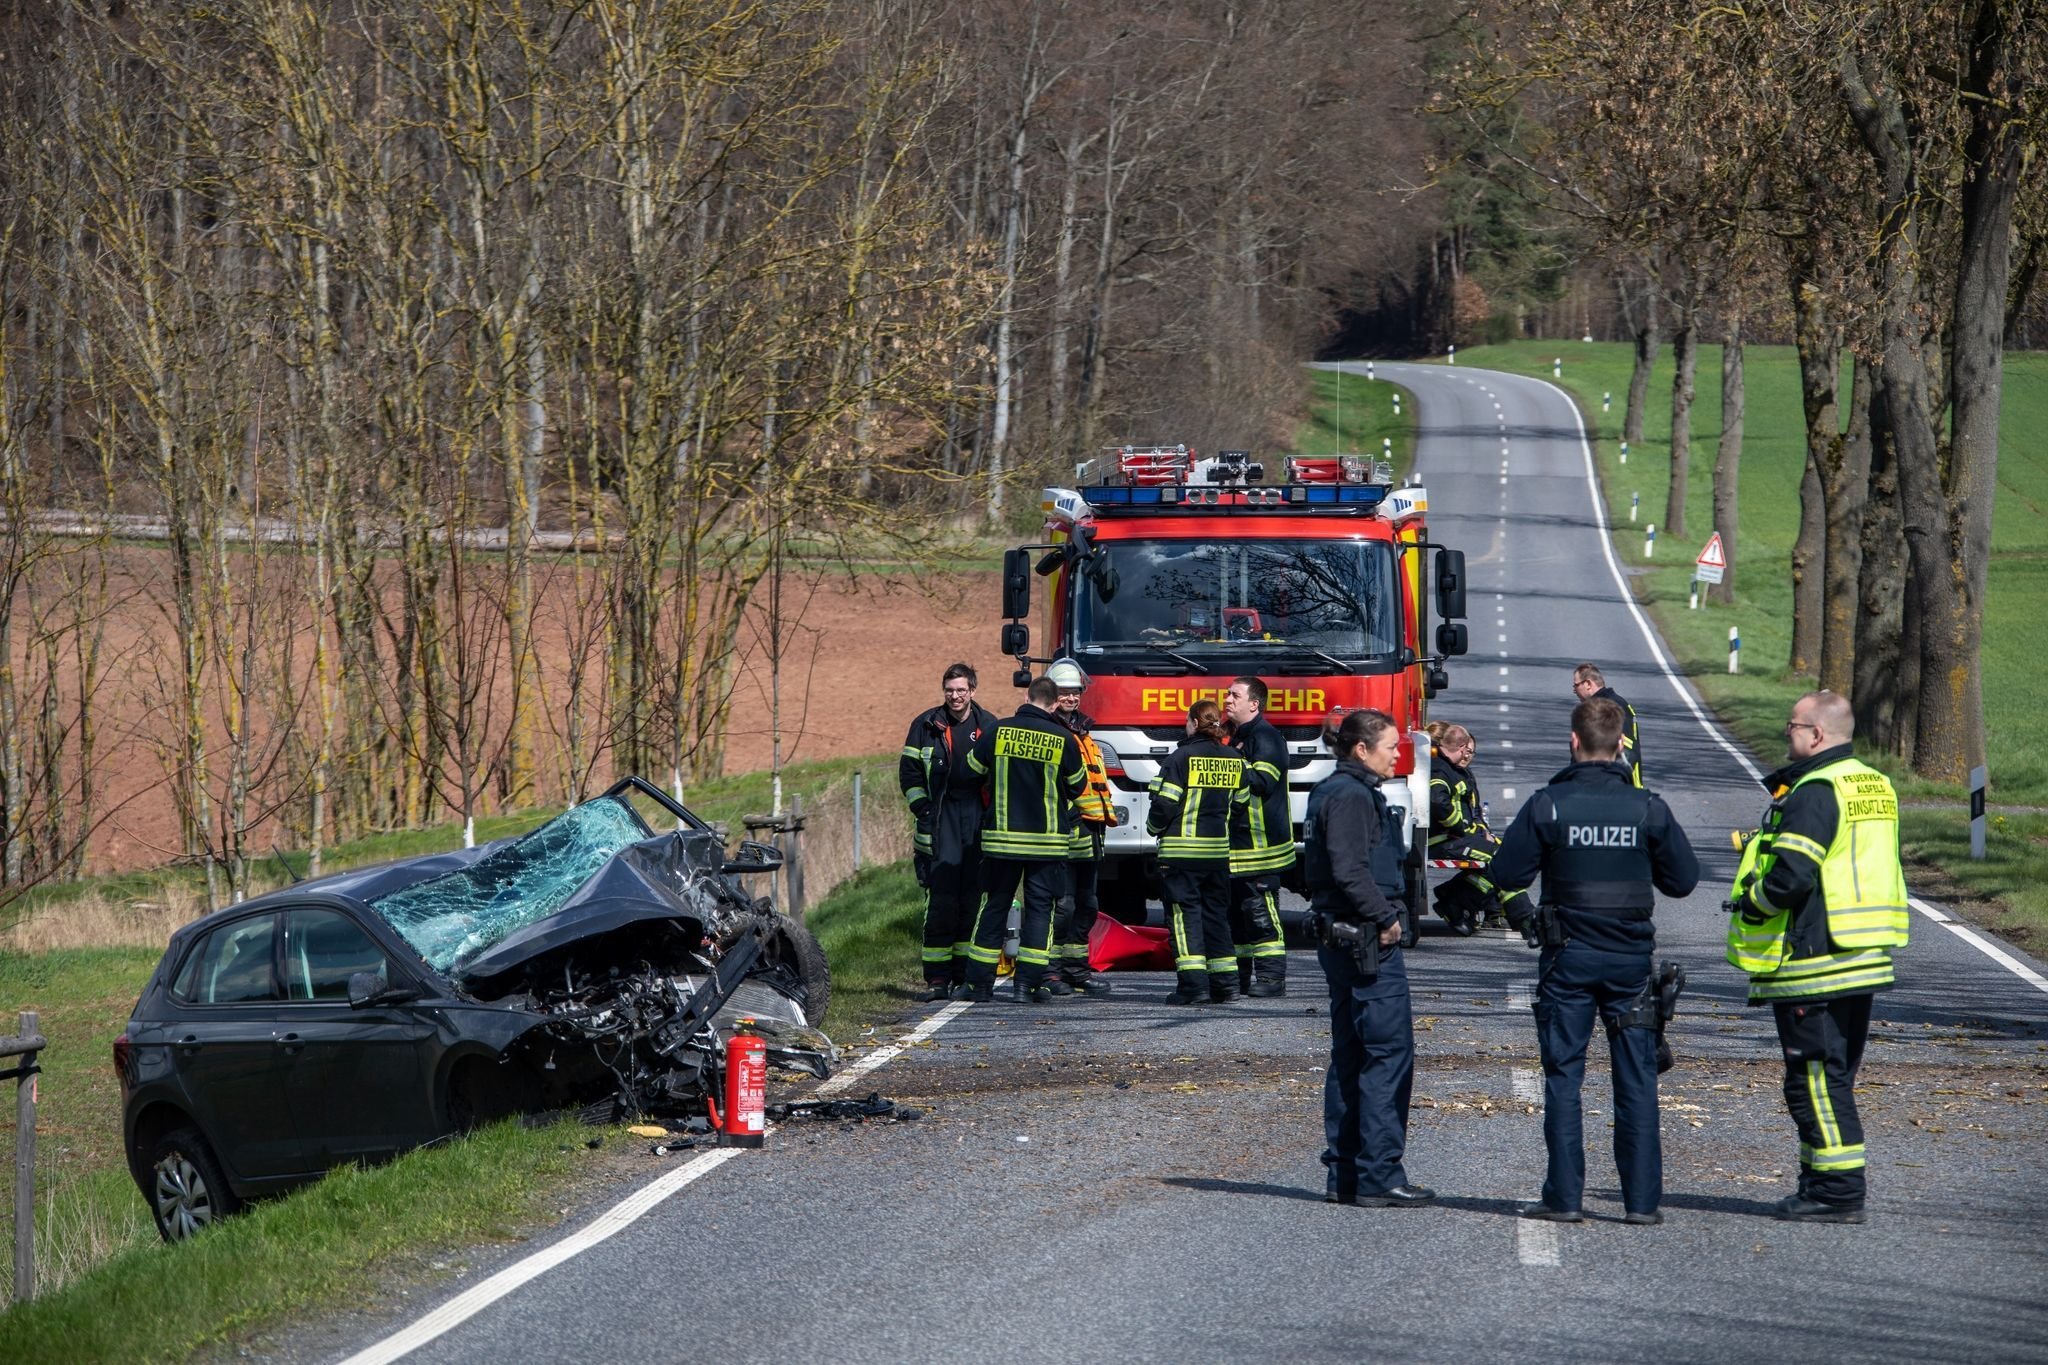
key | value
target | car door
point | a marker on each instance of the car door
(359, 1081)
(224, 1046)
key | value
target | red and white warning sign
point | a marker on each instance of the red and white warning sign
(1712, 561)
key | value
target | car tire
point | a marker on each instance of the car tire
(184, 1187)
(792, 945)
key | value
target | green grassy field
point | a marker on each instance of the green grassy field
(1755, 702)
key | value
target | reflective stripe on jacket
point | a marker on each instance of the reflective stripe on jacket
(1262, 832)
(1033, 770)
(1190, 813)
(1829, 851)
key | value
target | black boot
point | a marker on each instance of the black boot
(1193, 989)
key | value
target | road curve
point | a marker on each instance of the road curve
(1118, 1179)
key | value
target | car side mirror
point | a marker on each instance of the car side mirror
(370, 988)
(1450, 584)
(1451, 638)
(1016, 583)
(755, 856)
(1016, 639)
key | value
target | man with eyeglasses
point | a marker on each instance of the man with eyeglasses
(1587, 683)
(944, 796)
(1818, 905)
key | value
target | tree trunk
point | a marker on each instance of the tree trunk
(1685, 354)
(1728, 459)
(1876, 690)
(1845, 489)
(1647, 340)
(1950, 730)
(1806, 575)
(1819, 343)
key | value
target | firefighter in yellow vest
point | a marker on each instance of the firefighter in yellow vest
(1819, 904)
(1094, 812)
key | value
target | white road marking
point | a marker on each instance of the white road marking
(1503, 672)
(1506, 743)
(1519, 997)
(1980, 943)
(1503, 639)
(1536, 1243)
(617, 1218)
(1983, 945)
(1503, 706)
(1503, 687)
(1507, 793)
(881, 1056)
(1506, 766)
(1528, 1084)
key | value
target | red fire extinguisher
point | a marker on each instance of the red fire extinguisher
(746, 1089)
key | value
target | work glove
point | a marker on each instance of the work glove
(921, 812)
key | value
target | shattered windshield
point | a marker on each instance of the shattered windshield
(1336, 597)
(452, 918)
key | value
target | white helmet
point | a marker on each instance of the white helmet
(1065, 673)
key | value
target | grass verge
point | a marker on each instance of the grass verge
(1350, 414)
(331, 1242)
(1755, 701)
(871, 927)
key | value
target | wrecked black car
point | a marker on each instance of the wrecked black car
(590, 965)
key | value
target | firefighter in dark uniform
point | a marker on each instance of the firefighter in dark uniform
(1190, 814)
(1095, 812)
(1604, 847)
(1586, 684)
(1349, 863)
(1031, 768)
(944, 797)
(1820, 902)
(1457, 829)
(1261, 842)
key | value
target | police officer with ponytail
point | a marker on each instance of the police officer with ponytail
(1604, 848)
(1351, 862)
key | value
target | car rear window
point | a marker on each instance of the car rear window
(232, 966)
(452, 918)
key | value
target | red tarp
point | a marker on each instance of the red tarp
(1114, 946)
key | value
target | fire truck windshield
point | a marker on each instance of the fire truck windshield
(1333, 598)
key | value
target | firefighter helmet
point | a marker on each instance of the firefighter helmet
(1065, 673)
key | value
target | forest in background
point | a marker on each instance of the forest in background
(430, 339)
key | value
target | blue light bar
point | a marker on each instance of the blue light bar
(1258, 497)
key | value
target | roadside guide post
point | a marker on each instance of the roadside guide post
(1606, 401)
(856, 819)
(1557, 367)
(1650, 542)
(1368, 370)
(1635, 500)
(1624, 452)
(1452, 352)
(1734, 651)
(1692, 602)
(27, 1045)
(1977, 813)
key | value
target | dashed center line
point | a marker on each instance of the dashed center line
(1536, 1243)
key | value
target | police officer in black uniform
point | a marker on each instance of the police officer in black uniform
(1603, 846)
(1587, 683)
(1350, 862)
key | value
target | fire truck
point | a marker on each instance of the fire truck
(1165, 574)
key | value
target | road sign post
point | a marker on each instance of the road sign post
(1712, 562)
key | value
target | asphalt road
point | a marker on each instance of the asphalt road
(1120, 1179)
